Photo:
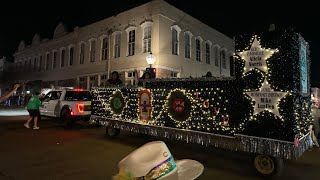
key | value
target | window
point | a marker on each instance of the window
(105, 49)
(54, 63)
(83, 82)
(117, 40)
(103, 81)
(53, 95)
(82, 53)
(40, 63)
(187, 45)
(47, 61)
(131, 42)
(174, 74)
(147, 39)
(26, 66)
(63, 54)
(223, 59)
(93, 81)
(71, 56)
(198, 50)
(35, 63)
(131, 74)
(103, 77)
(30, 65)
(216, 56)
(78, 96)
(175, 42)
(208, 53)
(92, 51)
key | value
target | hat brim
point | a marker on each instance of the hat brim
(189, 169)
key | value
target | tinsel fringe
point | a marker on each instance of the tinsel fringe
(238, 142)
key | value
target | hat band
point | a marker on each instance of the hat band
(160, 170)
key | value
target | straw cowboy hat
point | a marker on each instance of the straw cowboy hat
(154, 161)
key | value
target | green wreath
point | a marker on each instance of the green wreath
(117, 102)
(179, 106)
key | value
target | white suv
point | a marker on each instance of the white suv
(67, 104)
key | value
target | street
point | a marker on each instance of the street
(83, 153)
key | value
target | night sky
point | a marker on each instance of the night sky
(22, 20)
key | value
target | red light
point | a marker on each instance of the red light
(154, 70)
(78, 89)
(80, 107)
(71, 113)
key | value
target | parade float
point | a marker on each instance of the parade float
(265, 109)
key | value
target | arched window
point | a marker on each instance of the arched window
(187, 44)
(175, 39)
(92, 50)
(198, 48)
(208, 52)
(147, 36)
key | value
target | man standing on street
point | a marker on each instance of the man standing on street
(33, 109)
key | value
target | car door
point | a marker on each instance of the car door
(53, 104)
(45, 102)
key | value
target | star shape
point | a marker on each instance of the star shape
(266, 99)
(256, 56)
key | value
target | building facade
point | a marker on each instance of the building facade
(85, 57)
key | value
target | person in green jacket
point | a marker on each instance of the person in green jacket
(33, 109)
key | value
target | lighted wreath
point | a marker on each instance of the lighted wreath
(179, 106)
(117, 102)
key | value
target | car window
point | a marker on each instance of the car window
(53, 95)
(78, 96)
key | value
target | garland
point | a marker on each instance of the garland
(117, 102)
(179, 106)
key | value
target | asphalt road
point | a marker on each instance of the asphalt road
(85, 153)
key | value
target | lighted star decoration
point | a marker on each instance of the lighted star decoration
(266, 99)
(256, 56)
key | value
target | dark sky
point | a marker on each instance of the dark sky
(21, 20)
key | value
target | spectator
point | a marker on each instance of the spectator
(313, 139)
(6, 96)
(208, 74)
(115, 79)
(144, 78)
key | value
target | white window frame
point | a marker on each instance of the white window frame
(208, 42)
(200, 48)
(177, 43)
(69, 54)
(129, 44)
(223, 61)
(64, 60)
(92, 51)
(146, 41)
(216, 52)
(104, 50)
(40, 64)
(116, 47)
(82, 53)
(186, 47)
(47, 62)
(54, 64)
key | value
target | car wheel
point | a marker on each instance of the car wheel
(112, 132)
(268, 166)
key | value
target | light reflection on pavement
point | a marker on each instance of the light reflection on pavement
(13, 111)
